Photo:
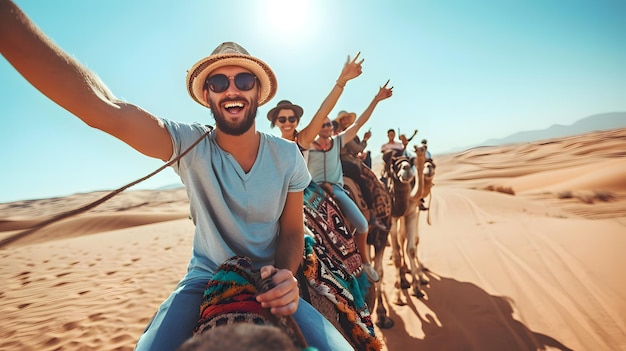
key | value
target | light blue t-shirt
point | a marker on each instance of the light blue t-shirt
(235, 213)
(325, 166)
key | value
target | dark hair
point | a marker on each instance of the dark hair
(391, 130)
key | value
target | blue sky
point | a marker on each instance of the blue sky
(462, 71)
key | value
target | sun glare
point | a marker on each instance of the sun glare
(288, 17)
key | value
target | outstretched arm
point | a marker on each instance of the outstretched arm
(351, 69)
(44, 65)
(383, 93)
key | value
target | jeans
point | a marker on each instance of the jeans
(177, 316)
(350, 210)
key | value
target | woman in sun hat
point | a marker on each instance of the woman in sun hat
(287, 115)
(229, 220)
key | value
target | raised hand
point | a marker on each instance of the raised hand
(351, 69)
(367, 135)
(384, 92)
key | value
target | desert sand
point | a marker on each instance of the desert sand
(524, 251)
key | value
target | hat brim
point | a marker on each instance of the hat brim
(199, 72)
(271, 115)
(350, 116)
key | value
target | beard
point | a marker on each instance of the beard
(234, 129)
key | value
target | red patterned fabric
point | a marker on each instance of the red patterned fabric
(324, 218)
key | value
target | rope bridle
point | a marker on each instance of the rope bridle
(100, 201)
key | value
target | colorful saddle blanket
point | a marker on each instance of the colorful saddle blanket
(324, 219)
(229, 298)
(332, 266)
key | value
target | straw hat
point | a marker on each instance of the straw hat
(343, 114)
(230, 54)
(284, 105)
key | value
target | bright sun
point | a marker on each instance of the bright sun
(288, 17)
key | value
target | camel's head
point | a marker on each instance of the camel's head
(240, 337)
(400, 168)
(404, 169)
(420, 151)
(429, 170)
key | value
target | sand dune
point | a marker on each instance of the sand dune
(524, 252)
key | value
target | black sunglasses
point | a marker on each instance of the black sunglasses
(328, 124)
(283, 119)
(218, 83)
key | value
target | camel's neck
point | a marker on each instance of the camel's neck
(418, 188)
(401, 191)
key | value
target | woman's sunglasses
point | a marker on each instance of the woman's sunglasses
(283, 119)
(218, 83)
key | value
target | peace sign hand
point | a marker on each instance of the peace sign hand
(351, 69)
(384, 92)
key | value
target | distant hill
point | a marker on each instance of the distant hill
(604, 121)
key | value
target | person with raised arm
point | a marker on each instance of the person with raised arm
(222, 173)
(287, 115)
(324, 163)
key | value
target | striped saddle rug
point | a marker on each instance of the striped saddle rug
(229, 298)
(332, 267)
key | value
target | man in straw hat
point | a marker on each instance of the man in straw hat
(227, 175)
(325, 166)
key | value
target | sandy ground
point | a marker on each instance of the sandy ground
(524, 251)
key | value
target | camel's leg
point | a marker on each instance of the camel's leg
(404, 266)
(382, 321)
(411, 253)
(401, 241)
(397, 258)
(423, 279)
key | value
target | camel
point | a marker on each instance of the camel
(407, 189)
(378, 239)
(240, 337)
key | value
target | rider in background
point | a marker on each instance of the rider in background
(391, 144)
(286, 116)
(325, 166)
(352, 155)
